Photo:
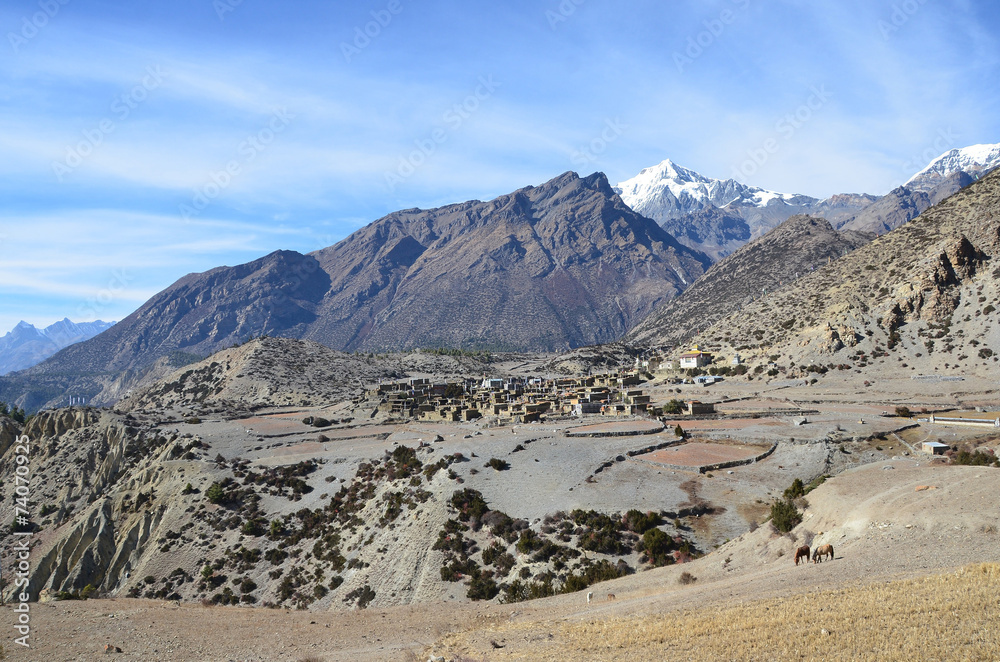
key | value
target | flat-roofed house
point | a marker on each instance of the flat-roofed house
(695, 359)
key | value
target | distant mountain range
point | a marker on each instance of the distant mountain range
(25, 345)
(545, 268)
(718, 216)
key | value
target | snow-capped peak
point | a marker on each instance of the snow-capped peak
(976, 160)
(668, 190)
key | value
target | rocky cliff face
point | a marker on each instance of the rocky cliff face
(81, 500)
(903, 204)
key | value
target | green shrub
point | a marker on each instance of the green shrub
(796, 490)
(364, 595)
(498, 464)
(674, 407)
(482, 588)
(657, 547)
(640, 523)
(976, 459)
(784, 515)
(469, 503)
(215, 493)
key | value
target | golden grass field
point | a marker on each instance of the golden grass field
(952, 616)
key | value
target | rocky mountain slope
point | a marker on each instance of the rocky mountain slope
(920, 299)
(555, 266)
(550, 267)
(25, 345)
(269, 372)
(793, 249)
(903, 204)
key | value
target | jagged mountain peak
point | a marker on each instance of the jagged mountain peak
(667, 191)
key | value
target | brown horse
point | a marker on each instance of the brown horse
(802, 553)
(821, 551)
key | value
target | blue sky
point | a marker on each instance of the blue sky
(141, 141)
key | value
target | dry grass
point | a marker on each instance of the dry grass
(942, 617)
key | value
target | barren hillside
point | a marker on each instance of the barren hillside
(791, 250)
(919, 300)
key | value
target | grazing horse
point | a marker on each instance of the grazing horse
(822, 551)
(802, 553)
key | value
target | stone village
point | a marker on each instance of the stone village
(527, 400)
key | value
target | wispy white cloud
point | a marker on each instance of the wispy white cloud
(324, 174)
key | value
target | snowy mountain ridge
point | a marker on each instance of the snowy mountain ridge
(976, 160)
(25, 345)
(668, 190)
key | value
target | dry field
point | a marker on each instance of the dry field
(951, 616)
(696, 455)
